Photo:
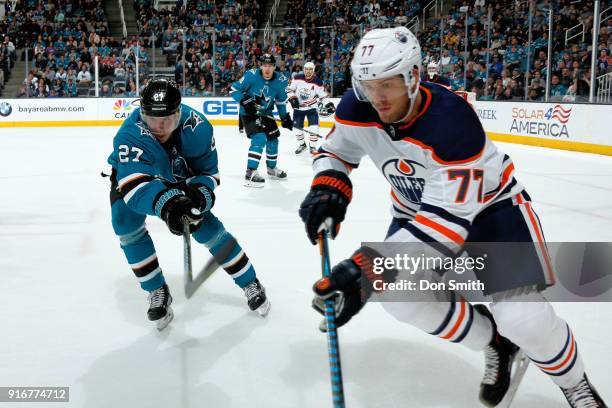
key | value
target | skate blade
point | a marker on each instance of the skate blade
(264, 308)
(165, 321)
(253, 185)
(519, 367)
(277, 178)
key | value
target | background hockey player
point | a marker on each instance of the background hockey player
(433, 75)
(165, 164)
(306, 96)
(449, 185)
(257, 92)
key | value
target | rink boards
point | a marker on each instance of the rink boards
(577, 127)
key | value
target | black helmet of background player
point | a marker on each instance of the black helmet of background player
(268, 65)
(160, 107)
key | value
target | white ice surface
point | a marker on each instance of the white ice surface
(72, 314)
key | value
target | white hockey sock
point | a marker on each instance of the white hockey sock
(447, 316)
(531, 323)
(313, 138)
(299, 136)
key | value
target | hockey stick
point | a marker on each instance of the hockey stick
(191, 284)
(295, 127)
(333, 347)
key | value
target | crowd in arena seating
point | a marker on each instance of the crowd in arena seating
(194, 24)
(509, 77)
(337, 26)
(219, 40)
(61, 39)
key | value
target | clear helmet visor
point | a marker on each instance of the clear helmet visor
(162, 126)
(393, 96)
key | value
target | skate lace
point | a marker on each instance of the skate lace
(581, 396)
(157, 297)
(251, 290)
(491, 366)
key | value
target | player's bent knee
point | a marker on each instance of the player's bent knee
(210, 228)
(524, 323)
(424, 315)
(258, 139)
(133, 237)
(124, 220)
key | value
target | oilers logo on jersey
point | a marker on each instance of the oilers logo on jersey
(407, 177)
(305, 93)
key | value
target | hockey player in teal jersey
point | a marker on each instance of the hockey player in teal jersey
(164, 163)
(257, 92)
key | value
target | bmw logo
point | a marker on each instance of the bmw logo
(5, 109)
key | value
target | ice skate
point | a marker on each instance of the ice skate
(277, 174)
(500, 382)
(300, 148)
(160, 311)
(256, 298)
(583, 395)
(253, 179)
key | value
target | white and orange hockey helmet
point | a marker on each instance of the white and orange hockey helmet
(384, 53)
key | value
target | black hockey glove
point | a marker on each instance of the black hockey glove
(330, 193)
(249, 105)
(294, 102)
(350, 284)
(174, 208)
(326, 110)
(287, 122)
(329, 108)
(201, 195)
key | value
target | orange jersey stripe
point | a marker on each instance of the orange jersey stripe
(422, 112)
(447, 232)
(541, 244)
(358, 124)
(504, 180)
(349, 166)
(437, 158)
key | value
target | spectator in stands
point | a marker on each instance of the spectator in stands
(604, 61)
(70, 88)
(131, 88)
(42, 90)
(557, 90)
(105, 90)
(84, 76)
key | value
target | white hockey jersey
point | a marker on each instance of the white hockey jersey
(308, 91)
(442, 168)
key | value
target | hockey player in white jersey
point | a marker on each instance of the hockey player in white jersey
(308, 98)
(450, 185)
